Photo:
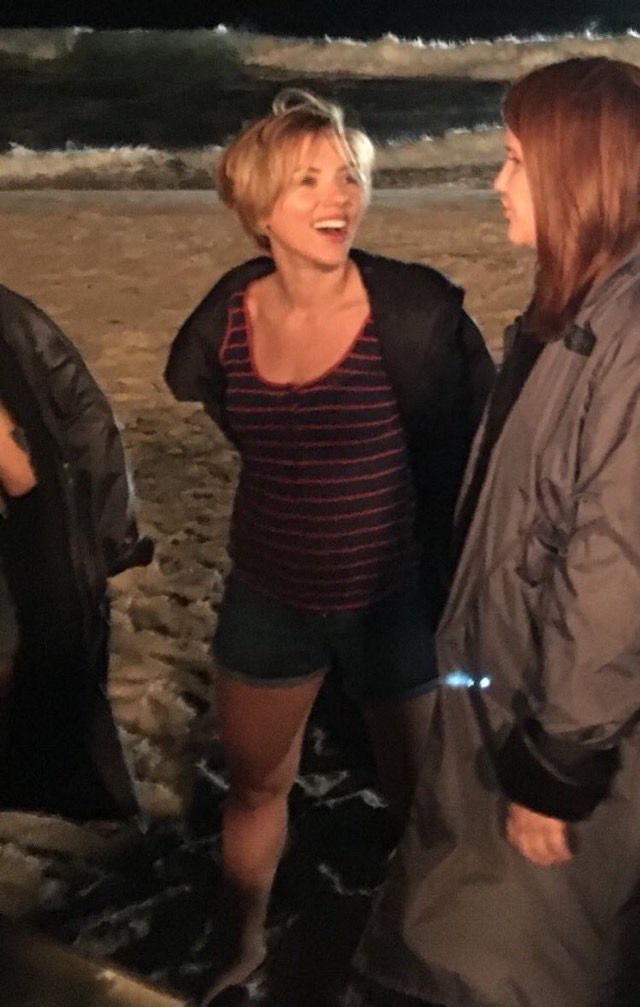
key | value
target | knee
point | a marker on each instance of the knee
(258, 795)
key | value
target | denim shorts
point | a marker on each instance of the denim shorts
(382, 653)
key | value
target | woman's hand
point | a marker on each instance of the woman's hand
(540, 839)
(16, 474)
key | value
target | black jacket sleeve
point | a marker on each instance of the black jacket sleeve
(193, 372)
(441, 446)
(81, 422)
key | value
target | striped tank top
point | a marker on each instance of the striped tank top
(323, 516)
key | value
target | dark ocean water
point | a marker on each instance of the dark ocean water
(69, 88)
(156, 102)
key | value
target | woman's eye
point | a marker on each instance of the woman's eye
(307, 180)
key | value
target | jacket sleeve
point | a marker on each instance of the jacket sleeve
(562, 763)
(192, 372)
(90, 444)
(463, 375)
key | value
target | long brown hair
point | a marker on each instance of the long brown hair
(579, 125)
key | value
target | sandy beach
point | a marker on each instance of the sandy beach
(119, 272)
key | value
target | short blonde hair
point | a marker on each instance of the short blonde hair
(254, 167)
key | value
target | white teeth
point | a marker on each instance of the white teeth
(330, 224)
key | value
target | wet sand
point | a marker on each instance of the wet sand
(119, 272)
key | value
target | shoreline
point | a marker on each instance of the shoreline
(24, 199)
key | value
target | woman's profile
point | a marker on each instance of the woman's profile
(517, 882)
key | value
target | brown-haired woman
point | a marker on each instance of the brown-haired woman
(518, 880)
(351, 385)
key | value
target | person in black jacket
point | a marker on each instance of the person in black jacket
(16, 478)
(351, 385)
(67, 524)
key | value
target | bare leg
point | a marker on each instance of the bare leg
(398, 733)
(262, 731)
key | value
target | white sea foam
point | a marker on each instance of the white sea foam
(475, 59)
(147, 167)
(389, 56)
(188, 90)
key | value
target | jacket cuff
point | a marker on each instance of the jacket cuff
(555, 777)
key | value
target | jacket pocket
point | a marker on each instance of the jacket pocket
(542, 548)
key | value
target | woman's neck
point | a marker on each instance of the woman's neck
(306, 287)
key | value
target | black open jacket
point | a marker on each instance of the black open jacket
(437, 362)
(59, 544)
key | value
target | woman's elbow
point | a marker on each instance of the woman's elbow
(20, 481)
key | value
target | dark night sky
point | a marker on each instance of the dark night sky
(358, 18)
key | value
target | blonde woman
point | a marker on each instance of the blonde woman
(351, 385)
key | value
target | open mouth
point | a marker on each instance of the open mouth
(334, 227)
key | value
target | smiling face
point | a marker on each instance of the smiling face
(317, 212)
(512, 185)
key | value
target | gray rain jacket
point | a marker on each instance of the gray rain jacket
(541, 636)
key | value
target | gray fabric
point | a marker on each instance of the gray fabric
(546, 605)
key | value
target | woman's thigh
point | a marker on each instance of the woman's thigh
(262, 729)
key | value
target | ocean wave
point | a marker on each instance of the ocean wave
(477, 59)
(463, 155)
(222, 51)
(177, 91)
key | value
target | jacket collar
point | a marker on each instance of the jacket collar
(612, 286)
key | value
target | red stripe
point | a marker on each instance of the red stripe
(320, 579)
(384, 509)
(289, 387)
(325, 444)
(364, 459)
(332, 499)
(339, 407)
(323, 426)
(322, 481)
(375, 543)
(399, 523)
(360, 371)
(317, 598)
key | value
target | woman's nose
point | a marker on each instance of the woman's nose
(498, 182)
(338, 192)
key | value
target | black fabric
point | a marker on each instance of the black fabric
(55, 559)
(85, 439)
(518, 364)
(438, 365)
(528, 779)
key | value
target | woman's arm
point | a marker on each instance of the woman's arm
(16, 474)
(561, 762)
